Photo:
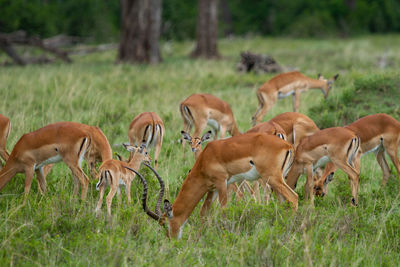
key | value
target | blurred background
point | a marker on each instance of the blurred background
(100, 20)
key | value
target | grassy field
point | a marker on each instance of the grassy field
(60, 229)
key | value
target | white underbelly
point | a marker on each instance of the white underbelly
(374, 150)
(213, 124)
(250, 175)
(321, 162)
(51, 160)
(282, 95)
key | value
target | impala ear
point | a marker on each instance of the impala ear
(186, 136)
(335, 77)
(329, 178)
(206, 136)
(319, 75)
(168, 209)
(129, 147)
(118, 156)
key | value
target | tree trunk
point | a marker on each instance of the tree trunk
(140, 33)
(207, 30)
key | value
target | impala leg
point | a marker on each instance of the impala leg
(296, 101)
(110, 197)
(380, 157)
(82, 178)
(207, 203)
(128, 190)
(266, 102)
(28, 180)
(157, 151)
(392, 152)
(354, 180)
(295, 171)
(309, 187)
(280, 187)
(222, 194)
(100, 202)
(41, 180)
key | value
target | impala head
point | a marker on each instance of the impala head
(196, 142)
(328, 84)
(162, 218)
(321, 185)
(138, 153)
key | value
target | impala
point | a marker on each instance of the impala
(379, 133)
(200, 110)
(147, 127)
(243, 157)
(114, 173)
(100, 150)
(5, 128)
(196, 142)
(339, 145)
(286, 84)
(50, 144)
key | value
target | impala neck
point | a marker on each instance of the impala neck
(192, 191)
(235, 130)
(7, 173)
(318, 84)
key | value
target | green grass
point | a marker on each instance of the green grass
(59, 229)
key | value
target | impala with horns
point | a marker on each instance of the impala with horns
(50, 144)
(5, 128)
(200, 110)
(243, 157)
(379, 133)
(285, 84)
(147, 127)
(339, 145)
(114, 173)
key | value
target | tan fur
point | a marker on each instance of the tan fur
(285, 83)
(340, 145)
(137, 132)
(118, 172)
(374, 130)
(219, 161)
(197, 109)
(33, 149)
(5, 128)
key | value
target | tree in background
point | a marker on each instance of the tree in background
(207, 30)
(140, 31)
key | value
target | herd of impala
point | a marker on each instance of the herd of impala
(274, 153)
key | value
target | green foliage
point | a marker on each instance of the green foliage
(59, 229)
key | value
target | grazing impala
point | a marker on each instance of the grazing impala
(379, 133)
(5, 128)
(50, 144)
(243, 157)
(196, 142)
(147, 127)
(114, 173)
(339, 145)
(296, 126)
(286, 84)
(200, 110)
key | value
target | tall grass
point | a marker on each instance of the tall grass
(60, 229)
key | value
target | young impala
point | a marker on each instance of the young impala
(114, 173)
(243, 157)
(147, 127)
(285, 84)
(379, 133)
(339, 145)
(200, 110)
(50, 144)
(5, 128)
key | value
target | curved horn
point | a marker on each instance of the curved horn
(144, 196)
(162, 188)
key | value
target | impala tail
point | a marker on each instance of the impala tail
(186, 114)
(287, 162)
(353, 150)
(105, 177)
